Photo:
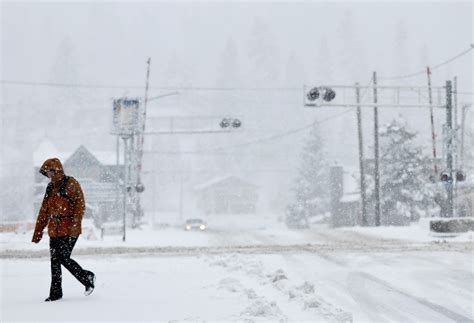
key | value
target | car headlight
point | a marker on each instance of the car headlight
(188, 227)
(202, 227)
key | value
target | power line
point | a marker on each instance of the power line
(170, 88)
(54, 84)
(432, 68)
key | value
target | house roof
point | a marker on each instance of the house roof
(82, 157)
(47, 150)
(222, 179)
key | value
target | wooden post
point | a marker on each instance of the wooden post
(376, 154)
(361, 159)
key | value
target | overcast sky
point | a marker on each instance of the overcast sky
(110, 41)
(223, 44)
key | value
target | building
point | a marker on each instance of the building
(345, 203)
(97, 173)
(227, 195)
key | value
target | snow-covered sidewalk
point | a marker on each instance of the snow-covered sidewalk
(417, 232)
(298, 287)
(160, 289)
(401, 274)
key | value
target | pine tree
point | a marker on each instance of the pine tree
(263, 56)
(229, 68)
(324, 64)
(406, 193)
(351, 55)
(178, 72)
(294, 71)
(65, 69)
(310, 189)
(401, 58)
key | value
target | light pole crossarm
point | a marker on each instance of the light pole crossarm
(185, 132)
(385, 87)
(389, 96)
(371, 105)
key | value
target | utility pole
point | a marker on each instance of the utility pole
(449, 148)
(376, 153)
(455, 148)
(125, 186)
(315, 98)
(455, 122)
(143, 120)
(463, 118)
(433, 136)
(361, 159)
(117, 174)
(181, 195)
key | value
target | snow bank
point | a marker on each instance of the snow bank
(417, 232)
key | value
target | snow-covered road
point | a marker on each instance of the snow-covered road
(316, 275)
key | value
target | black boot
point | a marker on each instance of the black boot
(91, 283)
(53, 298)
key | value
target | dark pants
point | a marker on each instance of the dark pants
(60, 250)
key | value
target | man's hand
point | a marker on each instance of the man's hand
(37, 237)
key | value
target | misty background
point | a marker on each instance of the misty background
(64, 62)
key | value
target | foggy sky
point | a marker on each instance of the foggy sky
(110, 41)
(209, 44)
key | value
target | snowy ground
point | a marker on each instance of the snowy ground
(265, 274)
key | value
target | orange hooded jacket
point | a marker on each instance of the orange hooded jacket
(62, 213)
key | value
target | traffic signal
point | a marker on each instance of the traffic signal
(316, 96)
(444, 177)
(313, 94)
(236, 123)
(225, 123)
(329, 94)
(229, 122)
(140, 188)
(460, 176)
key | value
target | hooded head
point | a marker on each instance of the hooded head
(53, 169)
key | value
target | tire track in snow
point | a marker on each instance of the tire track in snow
(360, 277)
(357, 288)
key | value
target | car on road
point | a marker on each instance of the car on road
(195, 224)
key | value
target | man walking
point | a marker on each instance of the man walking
(62, 211)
